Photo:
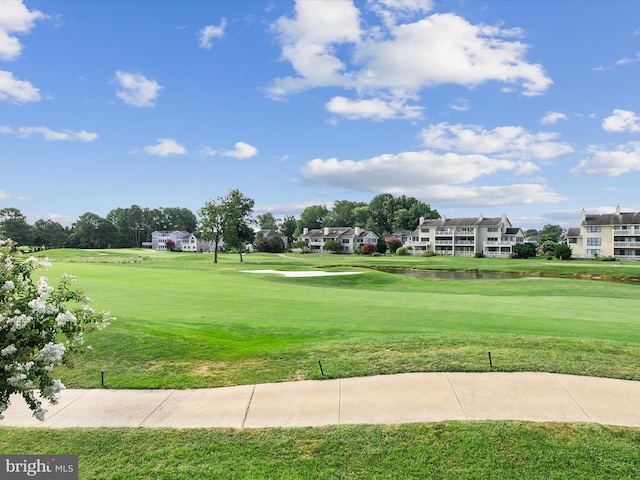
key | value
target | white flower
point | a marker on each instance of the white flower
(18, 321)
(8, 286)
(51, 353)
(63, 318)
(44, 290)
(10, 350)
(51, 390)
(39, 414)
(38, 305)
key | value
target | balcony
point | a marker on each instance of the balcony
(465, 242)
(501, 243)
(627, 244)
(444, 242)
(465, 231)
(445, 231)
(627, 231)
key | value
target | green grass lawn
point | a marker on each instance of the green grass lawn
(445, 450)
(184, 322)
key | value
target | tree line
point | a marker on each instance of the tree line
(129, 227)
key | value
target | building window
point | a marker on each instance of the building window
(594, 241)
(593, 252)
(492, 229)
(594, 229)
(424, 230)
(573, 240)
(492, 239)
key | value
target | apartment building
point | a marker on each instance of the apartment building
(606, 235)
(350, 237)
(493, 237)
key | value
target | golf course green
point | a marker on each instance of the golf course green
(185, 322)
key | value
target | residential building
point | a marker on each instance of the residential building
(184, 241)
(606, 235)
(494, 237)
(350, 237)
(270, 233)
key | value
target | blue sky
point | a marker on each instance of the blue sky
(530, 108)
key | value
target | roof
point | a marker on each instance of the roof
(512, 230)
(462, 222)
(337, 232)
(627, 218)
(573, 232)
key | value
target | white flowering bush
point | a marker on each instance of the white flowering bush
(40, 326)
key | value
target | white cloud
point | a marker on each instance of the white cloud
(397, 60)
(166, 147)
(4, 195)
(210, 32)
(376, 109)
(242, 150)
(504, 142)
(623, 159)
(442, 178)
(460, 105)
(17, 91)
(552, 118)
(136, 89)
(51, 135)
(15, 17)
(622, 121)
(206, 151)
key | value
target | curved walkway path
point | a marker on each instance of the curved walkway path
(389, 399)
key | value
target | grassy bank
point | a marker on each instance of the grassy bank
(185, 322)
(447, 450)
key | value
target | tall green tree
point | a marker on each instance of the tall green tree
(211, 225)
(93, 231)
(48, 233)
(288, 228)
(312, 217)
(550, 233)
(238, 211)
(13, 225)
(267, 221)
(343, 214)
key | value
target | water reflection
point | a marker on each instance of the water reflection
(449, 274)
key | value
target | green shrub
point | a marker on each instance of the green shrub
(333, 246)
(402, 251)
(393, 244)
(562, 251)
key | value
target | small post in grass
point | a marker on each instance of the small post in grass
(490, 362)
(320, 365)
(102, 379)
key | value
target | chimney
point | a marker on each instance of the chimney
(358, 230)
(421, 221)
(326, 230)
(305, 230)
(481, 217)
(618, 210)
(583, 215)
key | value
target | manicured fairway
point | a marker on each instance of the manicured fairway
(185, 322)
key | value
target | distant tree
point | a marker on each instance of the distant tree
(382, 246)
(176, 218)
(562, 251)
(343, 214)
(237, 220)
(548, 247)
(550, 232)
(333, 246)
(288, 228)
(211, 227)
(48, 233)
(267, 221)
(269, 244)
(170, 244)
(532, 232)
(92, 231)
(13, 225)
(312, 217)
(394, 244)
(369, 248)
(524, 250)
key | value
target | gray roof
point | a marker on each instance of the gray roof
(337, 232)
(629, 218)
(573, 232)
(461, 222)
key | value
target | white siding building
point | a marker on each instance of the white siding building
(350, 237)
(493, 237)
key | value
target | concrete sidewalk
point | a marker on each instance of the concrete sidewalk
(390, 399)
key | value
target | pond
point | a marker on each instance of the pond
(449, 274)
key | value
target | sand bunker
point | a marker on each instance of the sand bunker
(312, 273)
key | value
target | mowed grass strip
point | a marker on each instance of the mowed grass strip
(184, 322)
(446, 450)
